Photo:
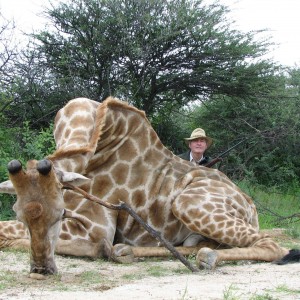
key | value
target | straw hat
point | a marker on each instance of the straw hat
(199, 133)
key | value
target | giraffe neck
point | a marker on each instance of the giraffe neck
(130, 163)
(76, 130)
(128, 138)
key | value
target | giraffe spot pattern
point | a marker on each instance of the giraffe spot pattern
(115, 146)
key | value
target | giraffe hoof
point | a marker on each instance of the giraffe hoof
(122, 254)
(206, 259)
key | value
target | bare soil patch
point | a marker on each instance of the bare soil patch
(81, 278)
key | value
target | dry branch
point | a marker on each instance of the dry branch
(128, 209)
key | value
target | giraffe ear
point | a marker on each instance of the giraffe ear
(7, 187)
(72, 177)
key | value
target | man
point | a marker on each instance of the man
(198, 143)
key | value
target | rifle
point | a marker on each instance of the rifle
(219, 157)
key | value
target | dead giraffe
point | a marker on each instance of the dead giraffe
(111, 150)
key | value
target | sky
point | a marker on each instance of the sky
(280, 17)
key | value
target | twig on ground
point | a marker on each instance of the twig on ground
(127, 208)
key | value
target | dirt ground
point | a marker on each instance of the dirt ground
(79, 278)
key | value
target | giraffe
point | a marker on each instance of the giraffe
(110, 150)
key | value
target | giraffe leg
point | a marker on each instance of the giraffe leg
(264, 249)
(85, 248)
(228, 220)
(122, 253)
(17, 244)
(13, 234)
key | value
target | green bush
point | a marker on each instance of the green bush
(37, 145)
(276, 209)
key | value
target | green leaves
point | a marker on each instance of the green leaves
(37, 145)
(145, 51)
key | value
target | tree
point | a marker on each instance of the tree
(8, 54)
(38, 94)
(155, 54)
(163, 57)
(271, 126)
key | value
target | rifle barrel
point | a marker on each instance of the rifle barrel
(219, 157)
(225, 152)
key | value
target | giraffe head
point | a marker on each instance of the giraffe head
(40, 206)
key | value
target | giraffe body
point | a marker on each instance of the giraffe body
(120, 158)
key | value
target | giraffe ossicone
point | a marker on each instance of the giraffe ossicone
(110, 150)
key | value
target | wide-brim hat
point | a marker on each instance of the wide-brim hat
(199, 133)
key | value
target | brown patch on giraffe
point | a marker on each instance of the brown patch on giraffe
(240, 212)
(94, 235)
(102, 185)
(194, 213)
(138, 198)
(67, 165)
(197, 224)
(132, 152)
(72, 199)
(244, 241)
(78, 120)
(222, 224)
(212, 228)
(151, 158)
(165, 189)
(158, 144)
(205, 231)
(219, 206)
(184, 203)
(227, 240)
(120, 173)
(194, 227)
(230, 232)
(9, 229)
(122, 219)
(214, 190)
(218, 218)
(65, 236)
(145, 239)
(185, 219)
(75, 228)
(208, 207)
(89, 210)
(67, 132)
(218, 235)
(172, 227)
(59, 128)
(19, 226)
(33, 210)
(219, 211)
(138, 179)
(156, 210)
(78, 137)
(205, 219)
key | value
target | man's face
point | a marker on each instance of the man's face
(198, 146)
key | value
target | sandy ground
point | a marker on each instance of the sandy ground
(79, 278)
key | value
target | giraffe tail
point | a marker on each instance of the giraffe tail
(292, 256)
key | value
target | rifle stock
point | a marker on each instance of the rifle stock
(213, 162)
